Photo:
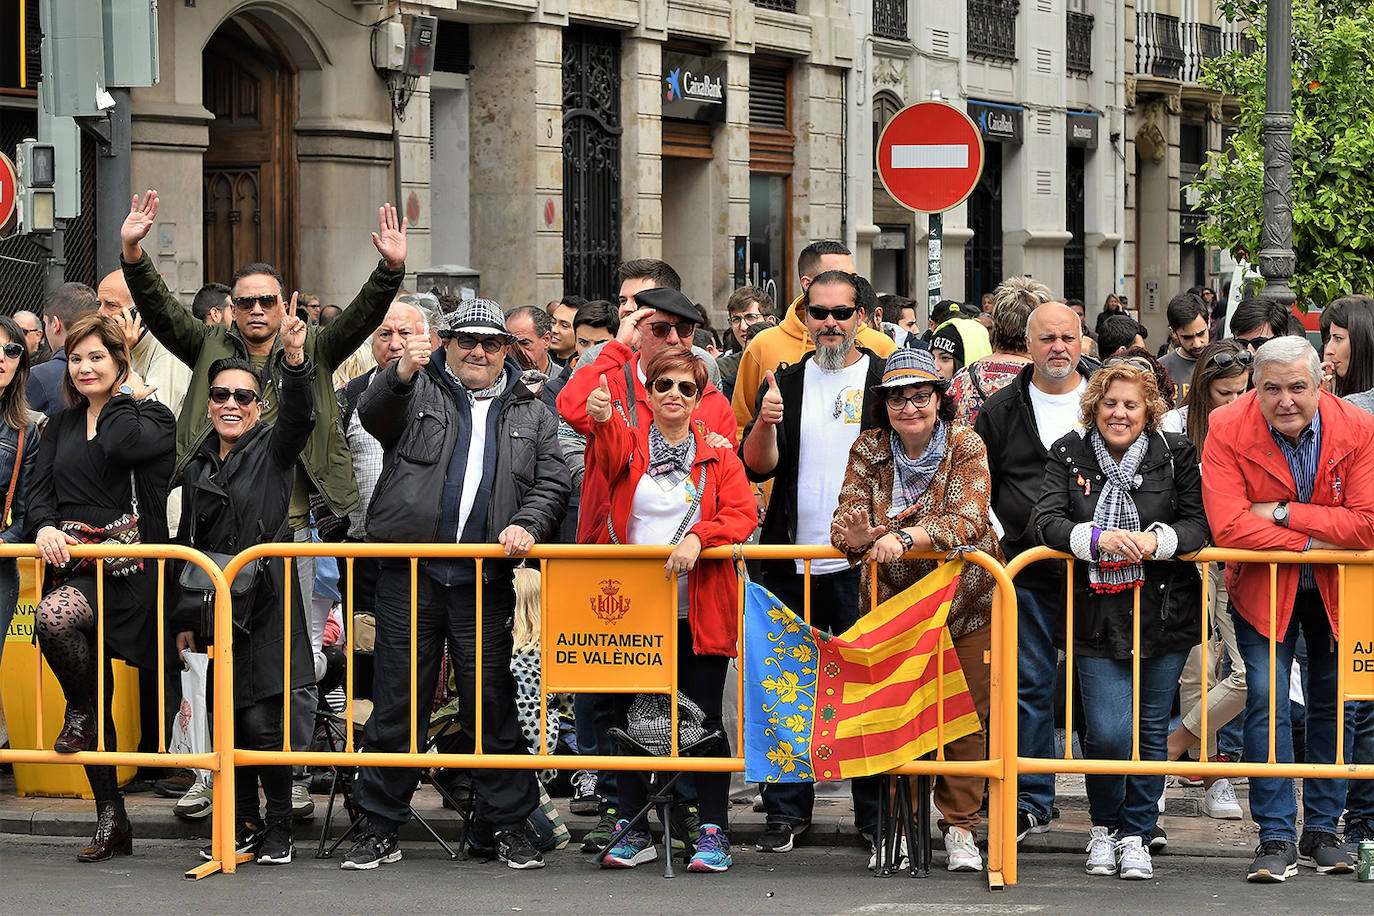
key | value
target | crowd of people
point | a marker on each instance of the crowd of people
(843, 419)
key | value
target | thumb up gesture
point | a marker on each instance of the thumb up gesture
(599, 402)
(770, 411)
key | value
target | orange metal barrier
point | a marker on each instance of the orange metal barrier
(218, 760)
(651, 679)
(1352, 626)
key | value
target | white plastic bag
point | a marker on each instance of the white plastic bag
(191, 730)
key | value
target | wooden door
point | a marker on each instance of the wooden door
(250, 165)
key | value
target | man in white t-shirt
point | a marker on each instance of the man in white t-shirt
(806, 417)
(1019, 423)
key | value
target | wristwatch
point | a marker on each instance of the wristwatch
(907, 541)
(125, 389)
(1281, 514)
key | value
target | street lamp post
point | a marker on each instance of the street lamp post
(1276, 258)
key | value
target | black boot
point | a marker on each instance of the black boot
(78, 731)
(114, 835)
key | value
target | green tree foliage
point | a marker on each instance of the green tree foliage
(1333, 148)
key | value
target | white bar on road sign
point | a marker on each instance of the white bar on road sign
(930, 156)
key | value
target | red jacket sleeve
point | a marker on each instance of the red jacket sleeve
(572, 400)
(1352, 524)
(716, 413)
(736, 516)
(612, 444)
(1227, 499)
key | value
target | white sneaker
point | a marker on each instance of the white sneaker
(962, 847)
(1101, 853)
(1220, 802)
(302, 805)
(903, 858)
(1133, 860)
(1160, 803)
(196, 803)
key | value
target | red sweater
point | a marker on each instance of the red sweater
(714, 410)
(728, 516)
(1242, 465)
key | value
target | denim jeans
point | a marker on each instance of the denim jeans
(834, 607)
(1359, 798)
(594, 716)
(1037, 662)
(9, 596)
(1273, 804)
(1126, 805)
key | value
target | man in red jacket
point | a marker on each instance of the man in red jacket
(1290, 467)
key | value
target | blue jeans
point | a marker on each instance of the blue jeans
(834, 607)
(1126, 805)
(1037, 663)
(9, 596)
(594, 716)
(1273, 804)
(1359, 798)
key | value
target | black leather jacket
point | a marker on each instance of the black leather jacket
(9, 445)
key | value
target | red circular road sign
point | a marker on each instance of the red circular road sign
(9, 189)
(930, 157)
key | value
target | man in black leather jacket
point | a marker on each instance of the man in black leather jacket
(471, 456)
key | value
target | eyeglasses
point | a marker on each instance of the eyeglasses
(13, 350)
(663, 385)
(32, 330)
(242, 396)
(1134, 361)
(1226, 360)
(842, 313)
(488, 344)
(1253, 343)
(246, 303)
(750, 318)
(661, 329)
(918, 400)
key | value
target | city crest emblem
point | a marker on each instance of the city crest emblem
(610, 605)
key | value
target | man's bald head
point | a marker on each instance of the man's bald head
(1055, 341)
(1044, 312)
(114, 294)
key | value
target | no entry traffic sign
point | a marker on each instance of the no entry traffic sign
(930, 157)
(9, 189)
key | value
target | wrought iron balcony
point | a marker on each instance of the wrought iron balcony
(1201, 43)
(786, 6)
(1232, 40)
(1079, 56)
(1158, 46)
(889, 19)
(992, 28)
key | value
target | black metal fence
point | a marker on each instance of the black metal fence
(992, 28)
(1158, 45)
(889, 19)
(1079, 43)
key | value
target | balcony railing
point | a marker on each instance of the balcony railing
(786, 6)
(1201, 43)
(1079, 56)
(1158, 46)
(889, 19)
(1236, 40)
(992, 28)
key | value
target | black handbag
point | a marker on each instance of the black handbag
(198, 593)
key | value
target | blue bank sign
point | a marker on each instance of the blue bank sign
(693, 87)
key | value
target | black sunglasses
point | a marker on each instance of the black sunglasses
(242, 396)
(1134, 361)
(1227, 360)
(685, 329)
(842, 313)
(13, 350)
(246, 303)
(1253, 342)
(469, 342)
(663, 385)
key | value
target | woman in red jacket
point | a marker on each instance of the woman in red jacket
(672, 482)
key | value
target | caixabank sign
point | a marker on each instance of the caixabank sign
(693, 87)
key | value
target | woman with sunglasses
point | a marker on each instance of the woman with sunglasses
(18, 450)
(1220, 376)
(234, 494)
(101, 474)
(1115, 493)
(672, 482)
(919, 481)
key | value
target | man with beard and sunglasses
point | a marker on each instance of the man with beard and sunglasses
(806, 417)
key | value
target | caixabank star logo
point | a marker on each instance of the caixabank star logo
(673, 79)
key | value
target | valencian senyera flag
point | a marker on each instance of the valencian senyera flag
(821, 707)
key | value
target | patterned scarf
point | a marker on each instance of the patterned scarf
(1116, 509)
(491, 391)
(911, 476)
(675, 461)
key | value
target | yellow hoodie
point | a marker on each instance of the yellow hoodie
(782, 346)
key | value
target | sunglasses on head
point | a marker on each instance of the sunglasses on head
(841, 313)
(242, 396)
(1253, 342)
(1225, 360)
(246, 303)
(1133, 361)
(13, 350)
(685, 329)
(663, 385)
(469, 342)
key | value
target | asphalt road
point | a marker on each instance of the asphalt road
(40, 875)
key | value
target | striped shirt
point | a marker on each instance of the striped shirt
(1303, 459)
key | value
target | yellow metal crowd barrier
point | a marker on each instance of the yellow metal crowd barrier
(220, 759)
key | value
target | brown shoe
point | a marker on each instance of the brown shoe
(78, 731)
(114, 835)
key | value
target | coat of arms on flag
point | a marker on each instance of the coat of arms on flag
(819, 707)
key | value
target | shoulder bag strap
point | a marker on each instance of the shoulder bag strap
(14, 478)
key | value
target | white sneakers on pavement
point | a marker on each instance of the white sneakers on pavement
(962, 847)
(1220, 802)
(1101, 853)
